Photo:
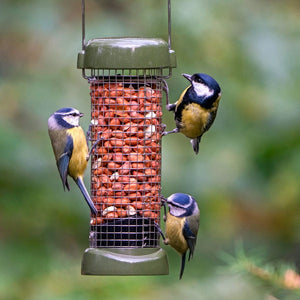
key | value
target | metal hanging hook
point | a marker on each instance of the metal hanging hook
(83, 24)
(169, 24)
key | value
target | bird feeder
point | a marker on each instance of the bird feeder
(126, 78)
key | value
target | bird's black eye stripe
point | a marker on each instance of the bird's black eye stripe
(74, 114)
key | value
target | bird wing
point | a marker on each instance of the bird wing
(190, 235)
(179, 105)
(210, 120)
(196, 141)
(63, 162)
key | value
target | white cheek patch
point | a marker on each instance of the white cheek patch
(72, 120)
(202, 90)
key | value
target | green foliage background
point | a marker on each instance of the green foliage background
(245, 178)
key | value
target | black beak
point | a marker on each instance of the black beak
(163, 199)
(188, 77)
(81, 115)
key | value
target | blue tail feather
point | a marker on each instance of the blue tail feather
(182, 264)
(86, 195)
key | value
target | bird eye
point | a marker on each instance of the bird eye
(74, 114)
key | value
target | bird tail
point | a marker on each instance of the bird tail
(195, 143)
(182, 265)
(86, 195)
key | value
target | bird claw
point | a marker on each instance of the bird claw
(160, 231)
(99, 139)
(175, 130)
(162, 128)
(88, 133)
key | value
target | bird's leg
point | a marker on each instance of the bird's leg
(169, 106)
(163, 202)
(163, 128)
(175, 130)
(99, 139)
(88, 134)
(166, 90)
(161, 233)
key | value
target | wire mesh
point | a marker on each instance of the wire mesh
(126, 164)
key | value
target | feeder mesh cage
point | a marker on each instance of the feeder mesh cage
(126, 163)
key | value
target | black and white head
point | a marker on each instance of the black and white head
(182, 205)
(204, 85)
(63, 118)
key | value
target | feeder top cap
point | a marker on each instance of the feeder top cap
(126, 53)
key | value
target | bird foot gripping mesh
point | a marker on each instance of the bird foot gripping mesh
(126, 163)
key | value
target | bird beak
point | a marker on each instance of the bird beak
(187, 76)
(81, 115)
(163, 199)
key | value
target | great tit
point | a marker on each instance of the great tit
(70, 148)
(196, 109)
(182, 224)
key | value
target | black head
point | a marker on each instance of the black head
(204, 86)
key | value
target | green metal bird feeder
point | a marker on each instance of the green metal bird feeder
(126, 77)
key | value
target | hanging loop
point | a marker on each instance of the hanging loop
(83, 24)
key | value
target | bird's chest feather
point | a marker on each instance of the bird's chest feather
(78, 161)
(174, 234)
(193, 120)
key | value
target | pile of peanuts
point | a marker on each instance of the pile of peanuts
(126, 164)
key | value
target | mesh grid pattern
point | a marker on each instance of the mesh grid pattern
(126, 164)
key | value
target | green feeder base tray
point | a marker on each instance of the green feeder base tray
(124, 261)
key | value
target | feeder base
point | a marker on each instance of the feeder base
(124, 261)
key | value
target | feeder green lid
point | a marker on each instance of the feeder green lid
(126, 53)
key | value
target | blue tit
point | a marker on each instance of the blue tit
(196, 109)
(182, 224)
(70, 148)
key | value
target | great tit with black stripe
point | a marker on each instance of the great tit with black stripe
(70, 148)
(182, 224)
(197, 107)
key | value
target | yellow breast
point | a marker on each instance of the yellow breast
(78, 162)
(174, 234)
(193, 120)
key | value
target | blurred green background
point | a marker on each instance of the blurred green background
(245, 178)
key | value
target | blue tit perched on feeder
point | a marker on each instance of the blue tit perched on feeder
(70, 148)
(196, 109)
(182, 224)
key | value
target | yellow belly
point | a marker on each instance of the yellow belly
(78, 161)
(174, 234)
(193, 120)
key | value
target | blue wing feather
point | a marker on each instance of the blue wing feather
(190, 238)
(63, 162)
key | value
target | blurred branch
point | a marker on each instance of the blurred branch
(277, 277)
